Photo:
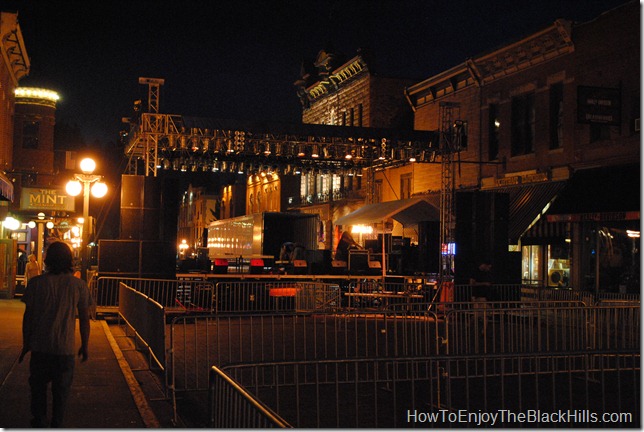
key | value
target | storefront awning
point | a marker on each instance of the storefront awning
(407, 212)
(599, 194)
(6, 188)
(526, 203)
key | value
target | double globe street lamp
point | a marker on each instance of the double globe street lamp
(87, 182)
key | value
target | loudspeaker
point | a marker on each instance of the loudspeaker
(220, 266)
(358, 261)
(481, 231)
(338, 267)
(140, 201)
(135, 257)
(300, 267)
(118, 256)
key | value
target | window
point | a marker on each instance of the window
(494, 131)
(377, 191)
(556, 116)
(405, 186)
(30, 131)
(523, 124)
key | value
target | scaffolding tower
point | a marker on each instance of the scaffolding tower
(451, 133)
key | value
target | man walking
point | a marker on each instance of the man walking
(48, 326)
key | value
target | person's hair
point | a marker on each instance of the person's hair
(59, 258)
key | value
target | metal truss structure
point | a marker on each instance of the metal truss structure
(174, 142)
(452, 133)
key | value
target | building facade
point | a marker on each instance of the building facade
(196, 211)
(543, 113)
(345, 93)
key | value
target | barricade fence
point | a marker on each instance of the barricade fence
(572, 389)
(146, 318)
(275, 296)
(191, 295)
(233, 407)
(281, 296)
(198, 342)
(488, 328)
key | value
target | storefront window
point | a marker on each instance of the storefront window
(558, 266)
(531, 264)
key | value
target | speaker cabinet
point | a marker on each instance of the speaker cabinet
(481, 231)
(136, 258)
(140, 200)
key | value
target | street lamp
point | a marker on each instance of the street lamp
(86, 182)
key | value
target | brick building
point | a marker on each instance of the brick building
(340, 92)
(553, 129)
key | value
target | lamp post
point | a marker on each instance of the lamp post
(86, 182)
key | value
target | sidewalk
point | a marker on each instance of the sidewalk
(104, 394)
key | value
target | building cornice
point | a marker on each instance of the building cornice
(337, 78)
(12, 46)
(552, 42)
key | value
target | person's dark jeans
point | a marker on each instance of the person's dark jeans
(45, 368)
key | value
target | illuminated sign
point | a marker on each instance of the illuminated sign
(45, 199)
(599, 105)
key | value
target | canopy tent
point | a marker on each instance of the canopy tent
(407, 212)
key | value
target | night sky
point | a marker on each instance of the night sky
(239, 59)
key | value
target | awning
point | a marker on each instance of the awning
(599, 194)
(6, 188)
(526, 203)
(407, 212)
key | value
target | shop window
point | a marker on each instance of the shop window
(30, 132)
(531, 265)
(556, 116)
(523, 129)
(494, 131)
(558, 266)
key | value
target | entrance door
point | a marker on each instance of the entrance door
(8, 264)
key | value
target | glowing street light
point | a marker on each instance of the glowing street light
(87, 182)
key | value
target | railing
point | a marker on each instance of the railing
(173, 295)
(306, 323)
(535, 327)
(146, 318)
(198, 342)
(572, 389)
(275, 297)
(233, 407)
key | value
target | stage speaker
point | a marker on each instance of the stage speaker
(140, 201)
(481, 231)
(220, 266)
(358, 261)
(338, 267)
(136, 258)
(256, 266)
(118, 256)
(300, 267)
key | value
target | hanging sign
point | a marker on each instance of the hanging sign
(45, 199)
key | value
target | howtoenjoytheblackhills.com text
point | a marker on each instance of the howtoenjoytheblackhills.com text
(505, 417)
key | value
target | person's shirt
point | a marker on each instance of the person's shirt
(485, 279)
(32, 269)
(50, 315)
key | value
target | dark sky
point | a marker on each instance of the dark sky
(239, 59)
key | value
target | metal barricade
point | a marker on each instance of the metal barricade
(231, 406)
(198, 342)
(146, 318)
(574, 389)
(264, 297)
(486, 328)
(174, 295)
